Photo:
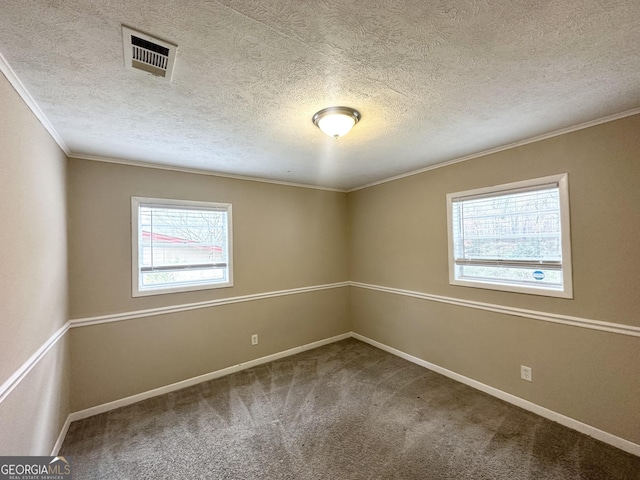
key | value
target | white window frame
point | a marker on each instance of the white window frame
(563, 185)
(136, 202)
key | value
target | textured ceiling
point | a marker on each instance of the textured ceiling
(434, 80)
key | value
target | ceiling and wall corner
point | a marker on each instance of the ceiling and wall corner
(15, 82)
(435, 82)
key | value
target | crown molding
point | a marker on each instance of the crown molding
(11, 76)
(197, 171)
(519, 143)
(19, 87)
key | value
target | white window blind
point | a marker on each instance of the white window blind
(512, 237)
(180, 245)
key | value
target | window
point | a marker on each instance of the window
(512, 237)
(180, 246)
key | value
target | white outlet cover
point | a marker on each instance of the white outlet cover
(526, 373)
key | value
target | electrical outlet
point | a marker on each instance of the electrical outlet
(254, 339)
(526, 374)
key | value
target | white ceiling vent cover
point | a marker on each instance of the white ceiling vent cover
(149, 54)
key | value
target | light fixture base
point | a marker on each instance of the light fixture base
(336, 121)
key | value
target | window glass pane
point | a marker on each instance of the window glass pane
(171, 236)
(512, 237)
(531, 276)
(182, 244)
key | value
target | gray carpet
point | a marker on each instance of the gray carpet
(342, 411)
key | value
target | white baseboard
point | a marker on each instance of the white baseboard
(569, 422)
(123, 402)
(581, 427)
(63, 433)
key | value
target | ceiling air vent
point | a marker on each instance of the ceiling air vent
(149, 54)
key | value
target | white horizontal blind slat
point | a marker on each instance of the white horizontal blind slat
(520, 226)
(547, 265)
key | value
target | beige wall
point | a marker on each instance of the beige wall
(283, 238)
(33, 414)
(115, 360)
(33, 277)
(391, 235)
(399, 239)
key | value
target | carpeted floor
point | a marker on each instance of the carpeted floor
(342, 411)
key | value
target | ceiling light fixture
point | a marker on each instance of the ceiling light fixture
(336, 121)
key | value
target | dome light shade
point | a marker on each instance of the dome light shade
(336, 121)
